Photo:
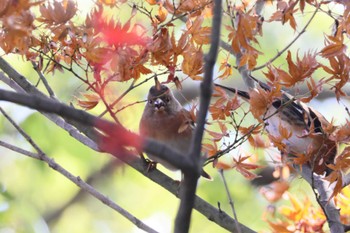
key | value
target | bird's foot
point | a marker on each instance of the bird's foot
(151, 165)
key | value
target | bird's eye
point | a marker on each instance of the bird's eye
(150, 101)
(167, 99)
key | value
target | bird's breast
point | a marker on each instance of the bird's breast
(165, 128)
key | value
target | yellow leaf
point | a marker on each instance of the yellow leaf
(162, 14)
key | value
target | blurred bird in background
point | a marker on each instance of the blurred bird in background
(304, 126)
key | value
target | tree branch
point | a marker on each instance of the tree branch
(75, 179)
(150, 146)
(189, 183)
(212, 213)
(94, 177)
(154, 147)
(81, 184)
(43, 79)
(21, 85)
(230, 200)
(323, 197)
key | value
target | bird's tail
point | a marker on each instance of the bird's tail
(243, 94)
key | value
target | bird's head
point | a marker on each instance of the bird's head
(161, 99)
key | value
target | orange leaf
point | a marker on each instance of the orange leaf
(244, 168)
(280, 226)
(223, 166)
(210, 149)
(91, 101)
(334, 48)
(259, 102)
(342, 134)
(258, 142)
(284, 132)
(226, 68)
(275, 190)
(162, 14)
(152, 2)
(314, 90)
(192, 64)
(108, 2)
(59, 12)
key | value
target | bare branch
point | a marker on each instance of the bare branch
(21, 85)
(324, 194)
(48, 105)
(212, 213)
(230, 200)
(93, 177)
(81, 184)
(76, 180)
(189, 183)
(19, 150)
(43, 79)
(9, 82)
(347, 228)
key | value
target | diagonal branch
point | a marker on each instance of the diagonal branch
(43, 79)
(40, 155)
(21, 85)
(113, 130)
(92, 179)
(323, 197)
(81, 184)
(212, 213)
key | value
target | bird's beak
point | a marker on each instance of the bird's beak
(159, 104)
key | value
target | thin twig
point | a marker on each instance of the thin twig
(43, 79)
(132, 86)
(291, 43)
(129, 105)
(230, 200)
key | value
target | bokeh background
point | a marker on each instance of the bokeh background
(36, 199)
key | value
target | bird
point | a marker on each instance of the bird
(306, 127)
(166, 120)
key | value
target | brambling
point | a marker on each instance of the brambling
(165, 120)
(307, 139)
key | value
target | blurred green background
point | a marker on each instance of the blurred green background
(32, 195)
